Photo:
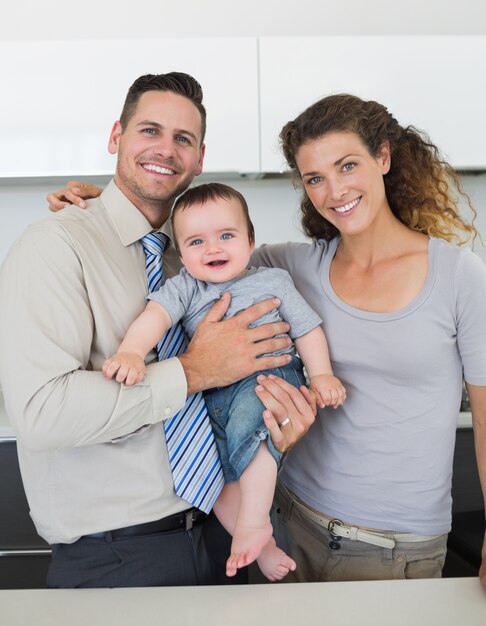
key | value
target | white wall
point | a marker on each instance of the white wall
(274, 207)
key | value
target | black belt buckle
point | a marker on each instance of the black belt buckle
(335, 541)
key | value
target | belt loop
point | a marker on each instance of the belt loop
(189, 519)
(108, 536)
(353, 533)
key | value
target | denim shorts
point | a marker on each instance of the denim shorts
(236, 416)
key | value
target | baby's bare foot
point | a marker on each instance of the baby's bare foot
(247, 545)
(274, 563)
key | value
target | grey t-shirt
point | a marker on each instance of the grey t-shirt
(188, 299)
(384, 459)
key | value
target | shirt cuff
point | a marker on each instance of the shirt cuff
(168, 384)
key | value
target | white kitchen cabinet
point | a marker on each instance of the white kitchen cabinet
(435, 83)
(60, 99)
(24, 556)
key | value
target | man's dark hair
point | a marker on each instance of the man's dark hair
(176, 82)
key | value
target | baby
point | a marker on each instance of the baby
(215, 239)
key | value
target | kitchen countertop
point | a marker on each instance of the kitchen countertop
(438, 602)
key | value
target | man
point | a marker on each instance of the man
(92, 453)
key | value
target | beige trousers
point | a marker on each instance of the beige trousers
(308, 543)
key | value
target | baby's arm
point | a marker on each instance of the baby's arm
(313, 350)
(128, 364)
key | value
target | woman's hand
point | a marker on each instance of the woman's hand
(74, 192)
(290, 412)
(477, 398)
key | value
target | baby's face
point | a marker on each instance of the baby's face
(213, 240)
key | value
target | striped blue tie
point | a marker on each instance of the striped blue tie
(193, 456)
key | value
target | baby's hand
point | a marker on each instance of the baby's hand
(128, 367)
(328, 389)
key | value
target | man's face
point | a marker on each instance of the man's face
(159, 151)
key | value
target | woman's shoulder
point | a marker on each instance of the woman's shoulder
(450, 253)
(458, 263)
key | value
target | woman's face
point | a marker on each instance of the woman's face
(344, 181)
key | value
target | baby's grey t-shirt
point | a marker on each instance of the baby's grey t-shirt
(188, 300)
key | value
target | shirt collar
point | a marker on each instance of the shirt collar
(130, 224)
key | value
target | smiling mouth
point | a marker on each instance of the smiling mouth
(158, 169)
(347, 207)
(217, 263)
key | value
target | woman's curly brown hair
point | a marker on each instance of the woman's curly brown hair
(422, 189)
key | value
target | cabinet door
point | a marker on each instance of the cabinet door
(24, 556)
(435, 83)
(60, 100)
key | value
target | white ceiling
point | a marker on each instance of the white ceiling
(124, 19)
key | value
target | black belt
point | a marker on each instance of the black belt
(179, 521)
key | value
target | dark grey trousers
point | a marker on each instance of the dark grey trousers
(175, 558)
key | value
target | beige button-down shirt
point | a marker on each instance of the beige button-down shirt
(69, 289)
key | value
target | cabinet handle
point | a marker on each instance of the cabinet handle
(40, 552)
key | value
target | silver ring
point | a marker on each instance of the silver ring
(285, 421)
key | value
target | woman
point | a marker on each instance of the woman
(366, 494)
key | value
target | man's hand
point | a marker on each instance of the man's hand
(290, 412)
(223, 352)
(74, 192)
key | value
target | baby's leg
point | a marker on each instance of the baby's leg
(227, 505)
(273, 562)
(253, 529)
(252, 536)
